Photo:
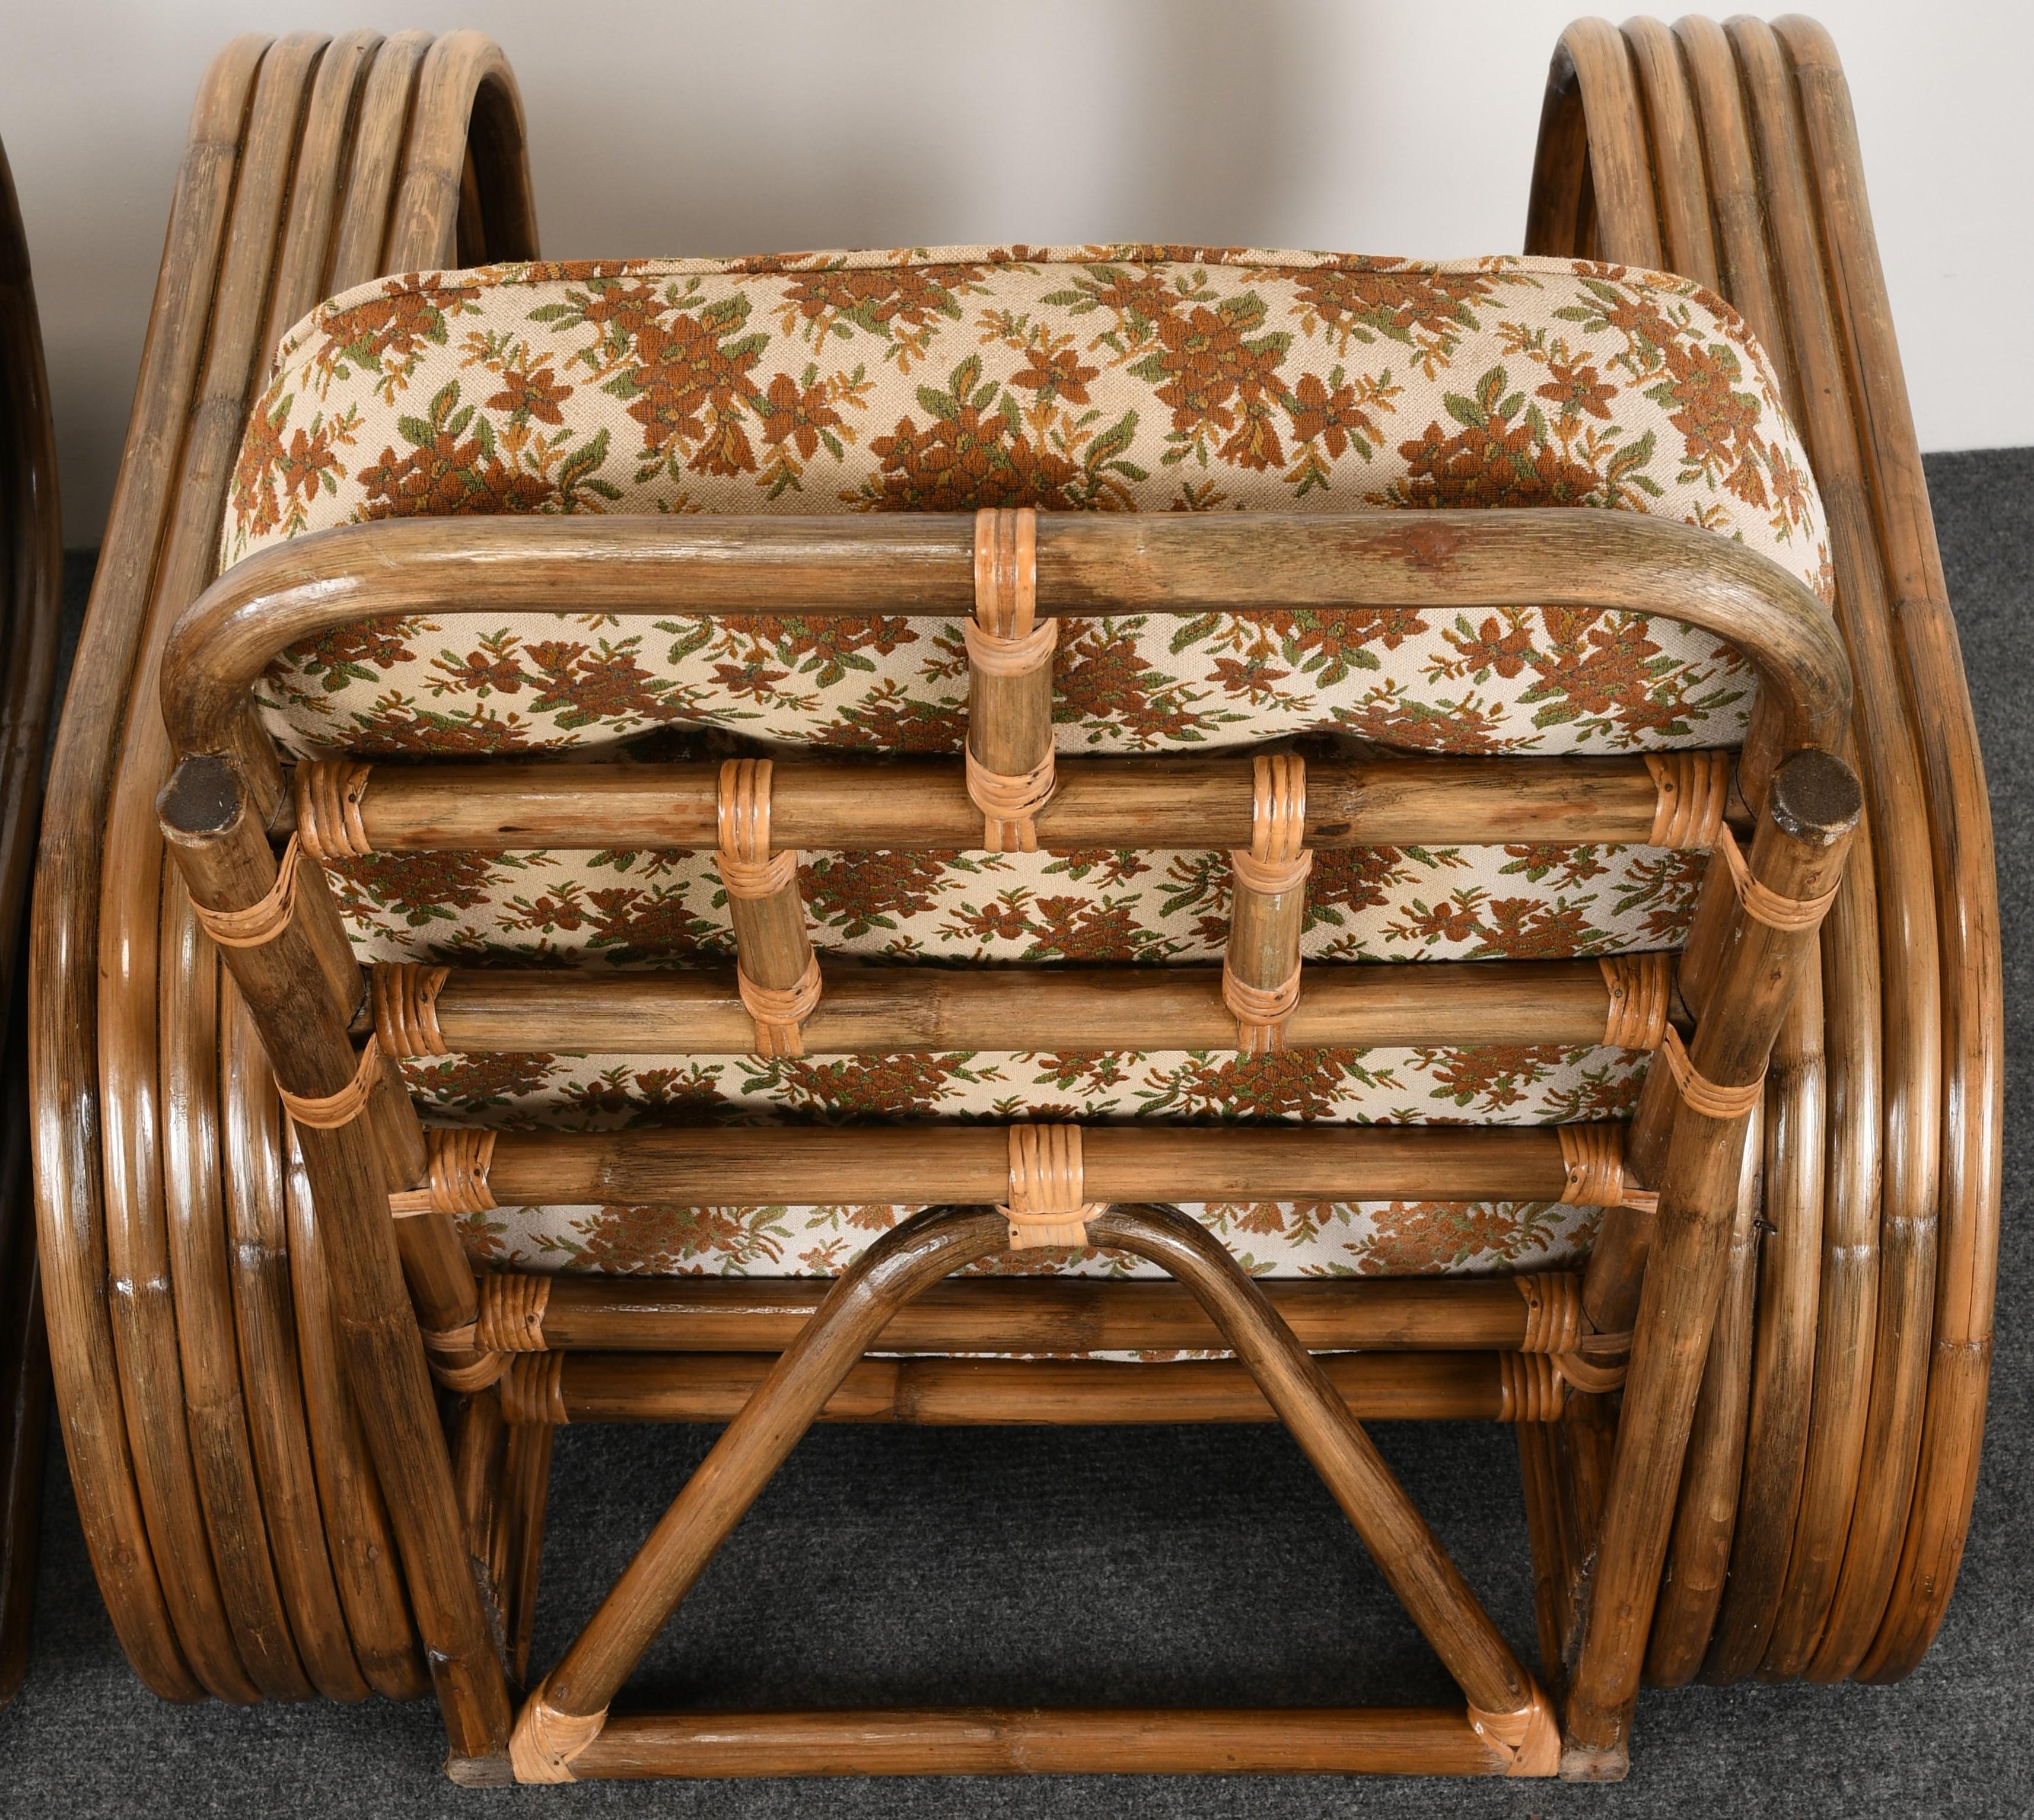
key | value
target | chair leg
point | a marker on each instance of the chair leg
(1683, 1285)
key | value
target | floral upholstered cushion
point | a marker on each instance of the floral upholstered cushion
(1081, 379)
(1117, 379)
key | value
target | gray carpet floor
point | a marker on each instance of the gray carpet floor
(1151, 1566)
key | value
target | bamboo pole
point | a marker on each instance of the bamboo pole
(997, 1741)
(1797, 857)
(796, 1164)
(882, 804)
(226, 862)
(554, 1388)
(523, 1313)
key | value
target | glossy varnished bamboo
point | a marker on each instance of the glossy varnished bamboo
(1960, 821)
(884, 804)
(187, 1480)
(169, 1621)
(1779, 291)
(1889, 766)
(361, 122)
(581, 1314)
(869, 1010)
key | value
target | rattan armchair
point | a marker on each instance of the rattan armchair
(30, 593)
(593, 789)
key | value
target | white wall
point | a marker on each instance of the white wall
(701, 126)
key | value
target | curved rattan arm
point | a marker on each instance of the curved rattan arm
(923, 564)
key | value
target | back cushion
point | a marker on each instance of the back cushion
(1113, 379)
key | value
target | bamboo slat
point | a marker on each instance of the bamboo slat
(868, 1010)
(920, 564)
(556, 1388)
(1537, 1313)
(884, 804)
(995, 1741)
(798, 1165)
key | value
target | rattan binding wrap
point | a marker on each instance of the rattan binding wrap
(267, 917)
(1529, 1388)
(1006, 641)
(754, 875)
(1791, 915)
(1694, 792)
(748, 868)
(1594, 1158)
(1642, 989)
(459, 1160)
(1048, 1205)
(1277, 863)
(1553, 1311)
(445, 1345)
(1592, 1376)
(328, 1111)
(544, 1741)
(511, 1311)
(779, 1013)
(1703, 1095)
(533, 1389)
(327, 792)
(1530, 1737)
(405, 999)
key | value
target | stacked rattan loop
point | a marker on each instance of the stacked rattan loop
(266, 1562)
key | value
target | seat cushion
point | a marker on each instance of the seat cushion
(1093, 378)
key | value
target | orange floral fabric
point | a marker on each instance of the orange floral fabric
(1097, 378)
